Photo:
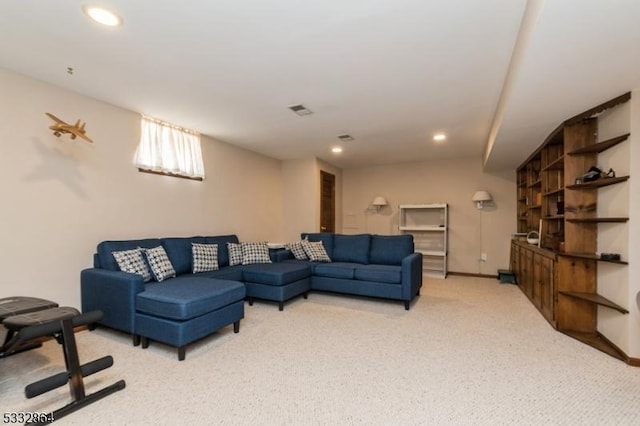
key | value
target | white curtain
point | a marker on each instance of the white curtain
(170, 149)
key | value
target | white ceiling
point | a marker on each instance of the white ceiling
(389, 72)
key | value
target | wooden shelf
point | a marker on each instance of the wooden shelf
(592, 257)
(555, 217)
(600, 146)
(598, 220)
(554, 192)
(536, 183)
(599, 183)
(557, 164)
(597, 341)
(595, 299)
(537, 206)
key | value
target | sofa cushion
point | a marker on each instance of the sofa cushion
(276, 274)
(315, 251)
(379, 273)
(159, 263)
(188, 297)
(221, 241)
(132, 261)
(179, 251)
(351, 248)
(390, 249)
(105, 248)
(335, 270)
(255, 253)
(325, 237)
(205, 257)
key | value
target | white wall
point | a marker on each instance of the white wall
(60, 198)
(300, 198)
(451, 181)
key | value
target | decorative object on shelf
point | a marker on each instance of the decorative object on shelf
(379, 202)
(533, 237)
(60, 127)
(592, 174)
(480, 197)
(610, 256)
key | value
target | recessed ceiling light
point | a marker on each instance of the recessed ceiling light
(439, 137)
(102, 16)
(336, 150)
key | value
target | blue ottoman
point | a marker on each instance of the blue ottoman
(276, 281)
(184, 309)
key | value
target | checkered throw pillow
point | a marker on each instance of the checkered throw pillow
(159, 262)
(132, 261)
(315, 251)
(205, 257)
(235, 254)
(297, 250)
(255, 253)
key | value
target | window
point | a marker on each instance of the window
(169, 150)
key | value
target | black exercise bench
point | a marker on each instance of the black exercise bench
(27, 321)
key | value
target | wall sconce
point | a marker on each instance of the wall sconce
(379, 202)
(480, 197)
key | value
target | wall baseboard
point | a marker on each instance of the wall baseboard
(467, 274)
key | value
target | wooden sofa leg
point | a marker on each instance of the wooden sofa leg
(305, 294)
(136, 340)
(236, 327)
(406, 305)
(145, 342)
(280, 306)
(250, 301)
(182, 353)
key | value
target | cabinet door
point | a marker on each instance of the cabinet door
(527, 273)
(536, 280)
(547, 289)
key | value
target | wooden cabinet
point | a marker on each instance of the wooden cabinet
(534, 269)
(561, 277)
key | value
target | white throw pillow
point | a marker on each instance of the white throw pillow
(132, 261)
(205, 257)
(159, 262)
(315, 251)
(255, 253)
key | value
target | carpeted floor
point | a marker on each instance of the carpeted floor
(469, 352)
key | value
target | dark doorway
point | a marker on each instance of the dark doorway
(327, 202)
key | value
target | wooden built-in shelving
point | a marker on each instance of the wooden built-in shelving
(588, 256)
(598, 183)
(595, 299)
(561, 276)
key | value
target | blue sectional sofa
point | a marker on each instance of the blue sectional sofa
(383, 266)
(189, 306)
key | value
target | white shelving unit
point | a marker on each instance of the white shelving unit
(429, 224)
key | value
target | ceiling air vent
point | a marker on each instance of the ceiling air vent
(346, 137)
(300, 109)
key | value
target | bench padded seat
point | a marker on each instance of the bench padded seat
(183, 298)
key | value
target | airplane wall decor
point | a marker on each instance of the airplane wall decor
(73, 130)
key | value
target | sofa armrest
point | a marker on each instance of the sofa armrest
(112, 292)
(411, 276)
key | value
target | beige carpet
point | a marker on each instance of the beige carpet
(470, 351)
